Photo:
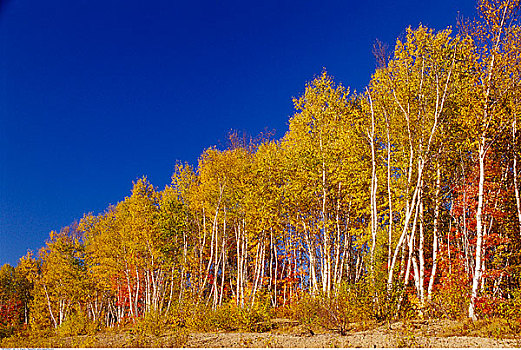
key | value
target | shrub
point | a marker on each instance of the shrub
(229, 317)
(386, 306)
(351, 303)
(77, 324)
(226, 317)
(159, 330)
(6, 330)
(488, 306)
(510, 310)
(497, 328)
(451, 300)
(306, 310)
(27, 338)
(197, 317)
(257, 317)
(152, 323)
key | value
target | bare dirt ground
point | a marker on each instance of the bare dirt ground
(368, 339)
(291, 334)
(426, 334)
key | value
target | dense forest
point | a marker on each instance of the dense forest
(399, 201)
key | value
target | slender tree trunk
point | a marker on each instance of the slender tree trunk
(259, 263)
(254, 276)
(326, 281)
(271, 265)
(223, 269)
(338, 240)
(183, 270)
(147, 291)
(389, 196)
(130, 299)
(60, 312)
(479, 232)
(465, 229)
(481, 157)
(171, 289)
(421, 257)
(312, 259)
(514, 170)
(412, 206)
(275, 302)
(435, 235)
(213, 246)
(49, 306)
(244, 268)
(412, 259)
(239, 263)
(374, 185)
(136, 295)
(202, 281)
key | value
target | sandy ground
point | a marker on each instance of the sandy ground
(360, 340)
(290, 334)
(381, 337)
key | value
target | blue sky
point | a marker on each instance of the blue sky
(97, 93)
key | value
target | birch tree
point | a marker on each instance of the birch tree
(493, 36)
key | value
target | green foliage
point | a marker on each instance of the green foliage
(510, 311)
(388, 302)
(227, 317)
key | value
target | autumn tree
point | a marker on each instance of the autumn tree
(324, 177)
(494, 62)
(60, 286)
(413, 98)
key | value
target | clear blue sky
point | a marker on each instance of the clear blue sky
(96, 93)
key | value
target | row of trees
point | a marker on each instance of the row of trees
(410, 187)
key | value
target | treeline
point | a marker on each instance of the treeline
(409, 189)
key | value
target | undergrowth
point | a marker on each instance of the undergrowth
(352, 307)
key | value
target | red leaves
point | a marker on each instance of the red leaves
(10, 311)
(466, 194)
(488, 306)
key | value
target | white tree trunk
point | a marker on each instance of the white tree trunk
(479, 232)
(374, 185)
(421, 258)
(514, 170)
(435, 235)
